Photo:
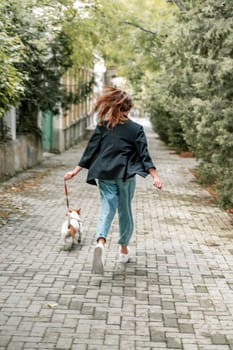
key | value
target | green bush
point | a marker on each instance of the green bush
(193, 96)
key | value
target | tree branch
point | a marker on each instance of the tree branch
(180, 5)
(140, 27)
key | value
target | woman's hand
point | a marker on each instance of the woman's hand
(72, 173)
(69, 175)
(156, 181)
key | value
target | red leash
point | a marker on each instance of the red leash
(66, 192)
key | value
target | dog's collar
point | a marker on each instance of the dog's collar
(78, 220)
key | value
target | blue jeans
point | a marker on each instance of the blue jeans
(116, 194)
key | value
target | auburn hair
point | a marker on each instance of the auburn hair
(111, 106)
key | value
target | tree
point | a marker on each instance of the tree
(11, 53)
(196, 100)
(50, 33)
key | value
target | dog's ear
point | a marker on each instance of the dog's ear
(78, 211)
(69, 211)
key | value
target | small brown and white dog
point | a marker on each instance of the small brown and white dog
(71, 230)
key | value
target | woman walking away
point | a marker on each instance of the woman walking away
(115, 153)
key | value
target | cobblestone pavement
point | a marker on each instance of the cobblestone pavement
(176, 293)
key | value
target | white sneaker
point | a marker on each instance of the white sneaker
(98, 259)
(124, 258)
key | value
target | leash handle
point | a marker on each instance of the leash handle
(66, 193)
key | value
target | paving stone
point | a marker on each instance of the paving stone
(186, 328)
(174, 343)
(4, 340)
(15, 346)
(79, 347)
(113, 319)
(190, 347)
(157, 336)
(219, 339)
(170, 321)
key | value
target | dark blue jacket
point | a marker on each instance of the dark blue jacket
(116, 153)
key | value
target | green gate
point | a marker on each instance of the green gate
(47, 131)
